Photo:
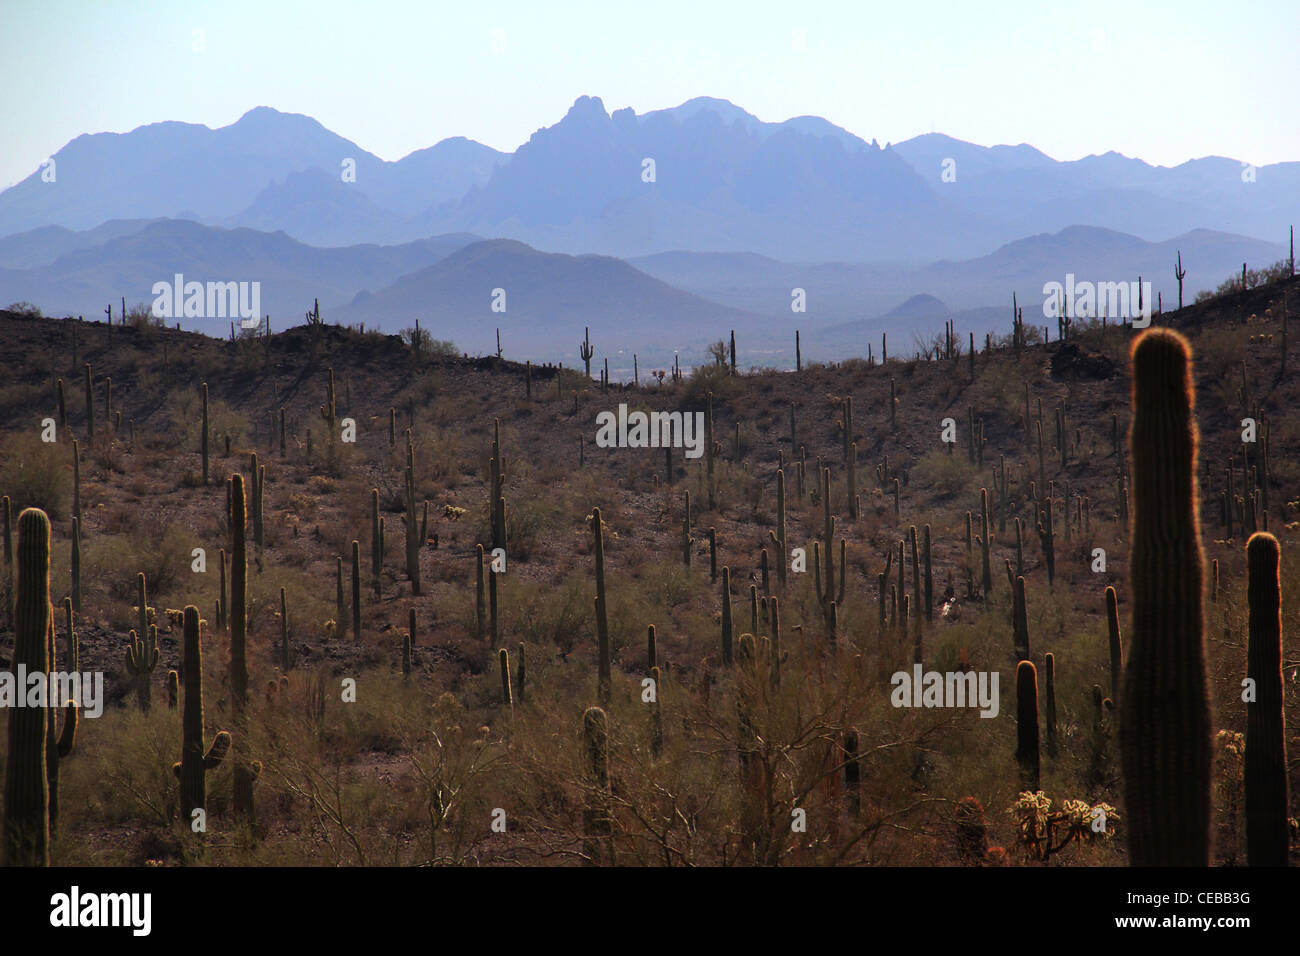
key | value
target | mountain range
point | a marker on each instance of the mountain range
(656, 305)
(705, 176)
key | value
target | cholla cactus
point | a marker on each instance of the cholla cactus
(1044, 830)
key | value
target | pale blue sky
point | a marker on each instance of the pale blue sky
(1164, 81)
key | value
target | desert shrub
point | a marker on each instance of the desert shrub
(35, 474)
(562, 615)
(950, 474)
(20, 399)
(184, 421)
(141, 317)
(24, 309)
(709, 378)
(1254, 278)
(161, 551)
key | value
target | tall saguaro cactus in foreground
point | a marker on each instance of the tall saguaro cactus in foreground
(1267, 836)
(1164, 707)
(26, 833)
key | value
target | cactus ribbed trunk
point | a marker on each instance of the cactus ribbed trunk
(1027, 725)
(1164, 708)
(1267, 835)
(26, 834)
(194, 764)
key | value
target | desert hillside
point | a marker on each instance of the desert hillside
(764, 735)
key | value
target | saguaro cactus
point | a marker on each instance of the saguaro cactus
(1179, 274)
(726, 615)
(985, 534)
(503, 662)
(602, 621)
(1049, 679)
(597, 817)
(687, 540)
(27, 799)
(586, 351)
(243, 779)
(90, 403)
(1164, 708)
(412, 524)
(1267, 836)
(1115, 641)
(480, 593)
(194, 763)
(1027, 725)
(141, 659)
(778, 536)
(284, 632)
(597, 821)
(1020, 620)
(204, 439)
(376, 544)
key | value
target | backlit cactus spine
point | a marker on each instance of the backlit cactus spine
(26, 833)
(1267, 835)
(1164, 707)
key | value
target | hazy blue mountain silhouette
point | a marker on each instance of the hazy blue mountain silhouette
(549, 298)
(292, 275)
(171, 168)
(803, 190)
